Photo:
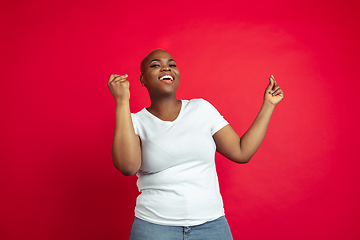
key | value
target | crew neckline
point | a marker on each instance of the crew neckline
(183, 103)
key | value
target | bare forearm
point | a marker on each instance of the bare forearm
(126, 151)
(240, 150)
(253, 137)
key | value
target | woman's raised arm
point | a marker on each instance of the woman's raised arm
(240, 150)
(126, 150)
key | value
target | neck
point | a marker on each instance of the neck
(166, 108)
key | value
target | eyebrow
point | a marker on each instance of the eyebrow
(158, 60)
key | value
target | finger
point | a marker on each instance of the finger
(273, 78)
(271, 84)
(276, 87)
(278, 92)
(120, 77)
(119, 80)
(274, 90)
(112, 76)
(271, 87)
(116, 77)
(275, 84)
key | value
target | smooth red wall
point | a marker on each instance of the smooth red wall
(57, 115)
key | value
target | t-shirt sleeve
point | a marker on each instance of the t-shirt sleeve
(134, 119)
(217, 121)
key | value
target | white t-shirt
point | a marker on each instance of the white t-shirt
(177, 178)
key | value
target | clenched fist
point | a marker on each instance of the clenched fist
(119, 87)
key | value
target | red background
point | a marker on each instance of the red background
(57, 115)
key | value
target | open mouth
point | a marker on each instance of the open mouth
(167, 78)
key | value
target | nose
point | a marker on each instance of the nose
(165, 68)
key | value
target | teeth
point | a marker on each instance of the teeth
(167, 76)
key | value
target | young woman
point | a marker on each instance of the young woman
(171, 146)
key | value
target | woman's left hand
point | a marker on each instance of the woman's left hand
(273, 92)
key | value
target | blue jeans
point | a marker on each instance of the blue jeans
(213, 230)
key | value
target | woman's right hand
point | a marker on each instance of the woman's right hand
(126, 148)
(119, 87)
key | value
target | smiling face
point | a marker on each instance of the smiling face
(160, 74)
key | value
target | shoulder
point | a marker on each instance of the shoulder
(202, 107)
(139, 114)
(200, 102)
(195, 104)
(197, 100)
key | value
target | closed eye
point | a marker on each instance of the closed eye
(155, 65)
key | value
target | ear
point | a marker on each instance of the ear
(142, 80)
